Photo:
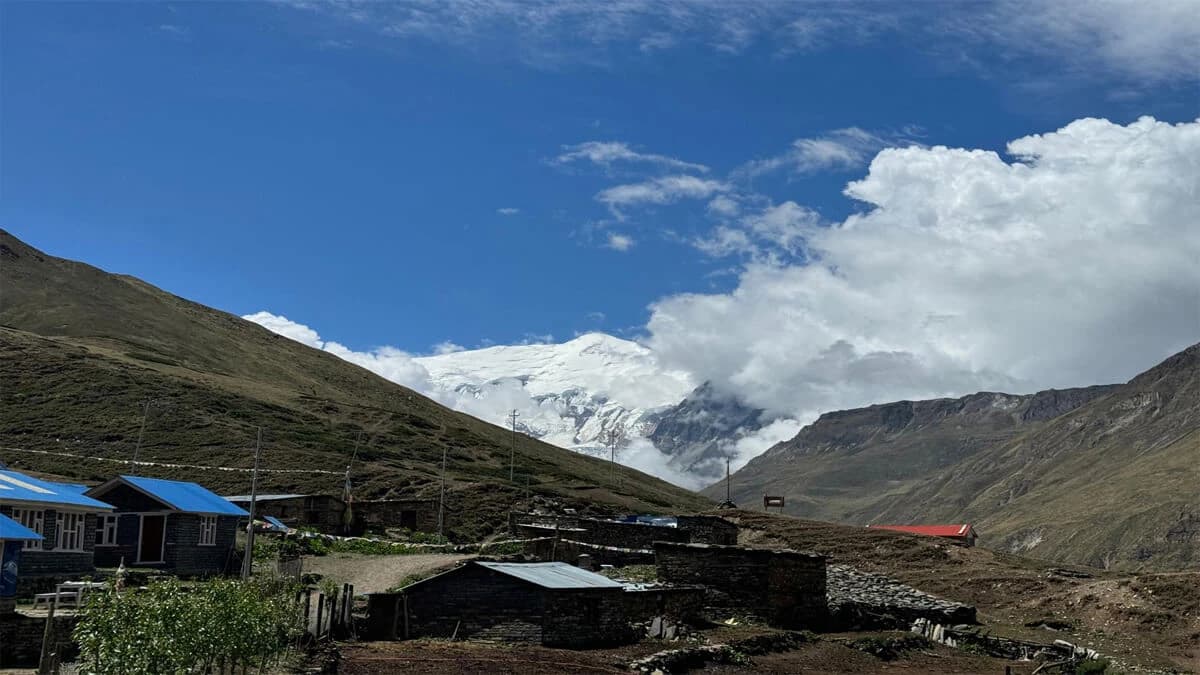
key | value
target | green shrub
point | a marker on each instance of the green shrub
(172, 628)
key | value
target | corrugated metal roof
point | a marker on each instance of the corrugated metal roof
(16, 486)
(185, 496)
(261, 498)
(276, 523)
(77, 488)
(552, 575)
(956, 530)
(11, 529)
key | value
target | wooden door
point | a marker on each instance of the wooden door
(150, 542)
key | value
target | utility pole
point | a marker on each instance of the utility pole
(248, 562)
(512, 454)
(728, 489)
(612, 438)
(137, 448)
(442, 495)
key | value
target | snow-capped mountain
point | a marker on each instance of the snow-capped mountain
(571, 394)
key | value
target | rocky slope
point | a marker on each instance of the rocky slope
(1098, 475)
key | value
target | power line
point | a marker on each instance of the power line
(168, 465)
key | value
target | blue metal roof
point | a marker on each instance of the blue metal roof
(17, 487)
(276, 523)
(556, 575)
(77, 488)
(184, 496)
(12, 530)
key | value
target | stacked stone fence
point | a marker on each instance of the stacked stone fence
(860, 601)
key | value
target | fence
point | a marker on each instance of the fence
(327, 615)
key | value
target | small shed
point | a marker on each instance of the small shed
(64, 518)
(176, 525)
(962, 534)
(553, 604)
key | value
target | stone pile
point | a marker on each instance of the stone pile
(860, 599)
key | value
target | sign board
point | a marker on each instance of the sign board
(773, 502)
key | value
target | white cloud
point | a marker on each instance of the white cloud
(607, 153)
(724, 206)
(662, 190)
(619, 242)
(1136, 40)
(838, 150)
(508, 211)
(387, 362)
(1074, 265)
(447, 347)
(287, 328)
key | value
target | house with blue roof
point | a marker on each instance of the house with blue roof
(174, 525)
(64, 521)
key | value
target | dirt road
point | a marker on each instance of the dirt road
(377, 573)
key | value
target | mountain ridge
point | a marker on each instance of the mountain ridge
(1003, 461)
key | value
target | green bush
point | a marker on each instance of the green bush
(172, 628)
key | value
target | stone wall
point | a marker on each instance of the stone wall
(321, 512)
(549, 549)
(786, 588)
(183, 552)
(860, 600)
(709, 530)
(690, 529)
(586, 618)
(413, 514)
(679, 603)
(21, 639)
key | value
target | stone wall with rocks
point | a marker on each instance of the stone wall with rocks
(861, 600)
(21, 639)
(601, 532)
(784, 587)
(709, 530)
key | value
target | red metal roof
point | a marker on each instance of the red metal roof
(959, 530)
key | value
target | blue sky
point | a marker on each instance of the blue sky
(346, 165)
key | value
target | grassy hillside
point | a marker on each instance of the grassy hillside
(81, 349)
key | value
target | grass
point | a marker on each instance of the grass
(81, 350)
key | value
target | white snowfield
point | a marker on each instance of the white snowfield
(570, 394)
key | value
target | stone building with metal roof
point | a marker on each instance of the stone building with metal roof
(553, 604)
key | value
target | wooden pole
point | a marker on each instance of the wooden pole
(43, 664)
(248, 563)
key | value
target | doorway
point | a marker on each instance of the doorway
(150, 540)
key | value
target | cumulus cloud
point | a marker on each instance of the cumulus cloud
(387, 362)
(1072, 263)
(607, 153)
(661, 190)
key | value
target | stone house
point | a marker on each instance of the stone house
(418, 515)
(785, 587)
(552, 604)
(174, 525)
(323, 513)
(64, 518)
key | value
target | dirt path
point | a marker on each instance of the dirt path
(377, 573)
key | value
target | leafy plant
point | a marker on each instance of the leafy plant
(172, 628)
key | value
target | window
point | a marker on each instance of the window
(32, 520)
(208, 530)
(106, 533)
(70, 531)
